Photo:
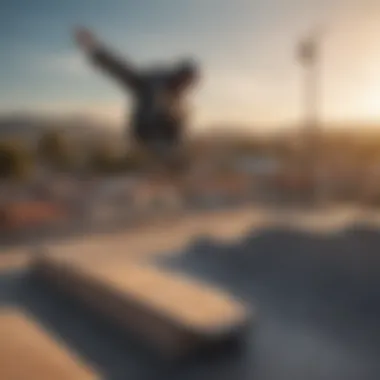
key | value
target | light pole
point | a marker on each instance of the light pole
(309, 57)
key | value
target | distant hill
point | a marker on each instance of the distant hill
(30, 128)
(20, 126)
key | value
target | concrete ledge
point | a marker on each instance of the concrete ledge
(28, 352)
(172, 313)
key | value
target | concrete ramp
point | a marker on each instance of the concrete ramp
(28, 352)
(172, 313)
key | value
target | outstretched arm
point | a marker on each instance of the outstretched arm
(107, 61)
(186, 76)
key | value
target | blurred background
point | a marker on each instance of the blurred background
(287, 113)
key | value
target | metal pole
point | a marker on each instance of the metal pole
(312, 124)
(311, 63)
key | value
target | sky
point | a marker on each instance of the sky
(246, 50)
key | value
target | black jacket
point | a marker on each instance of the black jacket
(158, 112)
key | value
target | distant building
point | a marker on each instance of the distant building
(255, 165)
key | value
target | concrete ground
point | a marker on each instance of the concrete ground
(313, 276)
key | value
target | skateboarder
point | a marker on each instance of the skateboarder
(158, 116)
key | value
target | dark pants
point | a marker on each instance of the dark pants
(163, 146)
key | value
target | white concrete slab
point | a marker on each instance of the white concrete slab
(173, 313)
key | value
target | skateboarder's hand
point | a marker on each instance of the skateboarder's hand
(85, 39)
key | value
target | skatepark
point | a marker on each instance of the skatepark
(138, 242)
(309, 280)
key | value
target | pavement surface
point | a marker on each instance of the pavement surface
(27, 352)
(313, 277)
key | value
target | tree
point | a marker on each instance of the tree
(102, 160)
(15, 161)
(105, 160)
(54, 151)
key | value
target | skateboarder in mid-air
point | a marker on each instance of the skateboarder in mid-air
(158, 118)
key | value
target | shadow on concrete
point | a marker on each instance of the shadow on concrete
(322, 288)
(317, 297)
